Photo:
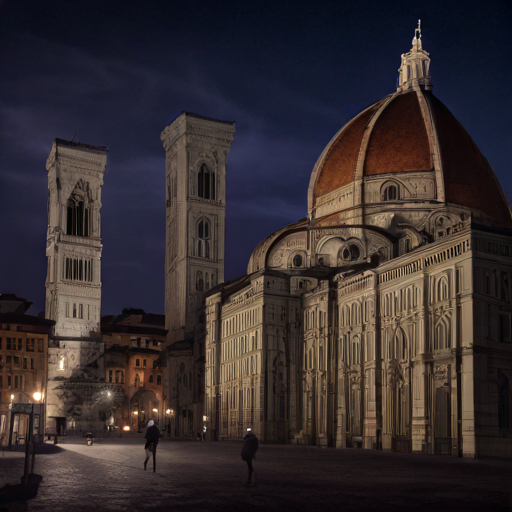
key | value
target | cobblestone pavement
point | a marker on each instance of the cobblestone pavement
(209, 476)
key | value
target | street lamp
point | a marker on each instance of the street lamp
(205, 421)
(169, 413)
(38, 397)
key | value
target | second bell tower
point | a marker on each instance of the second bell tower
(196, 152)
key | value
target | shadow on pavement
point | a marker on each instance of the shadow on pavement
(15, 493)
(40, 448)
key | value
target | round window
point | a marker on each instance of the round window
(297, 260)
(346, 254)
(354, 252)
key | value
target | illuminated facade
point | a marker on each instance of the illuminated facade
(196, 154)
(134, 367)
(73, 287)
(382, 320)
(23, 364)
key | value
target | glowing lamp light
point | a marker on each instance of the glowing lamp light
(155, 410)
(168, 411)
(37, 396)
(136, 413)
(12, 397)
(126, 428)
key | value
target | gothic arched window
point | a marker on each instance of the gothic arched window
(442, 289)
(203, 238)
(206, 183)
(400, 345)
(78, 220)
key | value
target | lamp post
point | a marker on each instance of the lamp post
(205, 421)
(169, 413)
(38, 397)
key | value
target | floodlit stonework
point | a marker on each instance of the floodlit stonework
(196, 153)
(73, 286)
(382, 320)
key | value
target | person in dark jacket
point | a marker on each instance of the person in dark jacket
(152, 436)
(249, 452)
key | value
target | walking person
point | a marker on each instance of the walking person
(249, 452)
(152, 436)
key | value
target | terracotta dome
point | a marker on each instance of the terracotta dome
(409, 131)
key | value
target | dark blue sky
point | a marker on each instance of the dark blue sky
(289, 73)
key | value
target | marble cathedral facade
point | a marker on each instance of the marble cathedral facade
(381, 321)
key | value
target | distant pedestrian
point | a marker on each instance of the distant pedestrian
(152, 436)
(249, 452)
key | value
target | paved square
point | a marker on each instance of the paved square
(209, 476)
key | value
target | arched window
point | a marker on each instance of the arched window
(297, 260)
(199, 281)
(159, 380)
(400, 345)
(203, 238)
(442, 289)
(78, 222)
(442, 338)
(206, 183)
(151, 379)
(391, 193)
(349, 253)
(355, 350)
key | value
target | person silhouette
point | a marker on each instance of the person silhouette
(152, 436)
(249, 453)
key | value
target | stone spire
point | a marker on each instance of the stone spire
(414, 71)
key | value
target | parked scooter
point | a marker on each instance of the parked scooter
(89, 437)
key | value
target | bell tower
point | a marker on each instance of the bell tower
(73, 282)
(196, 152)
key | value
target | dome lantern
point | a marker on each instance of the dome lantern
(414, 71)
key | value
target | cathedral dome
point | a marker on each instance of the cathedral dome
(406, 136)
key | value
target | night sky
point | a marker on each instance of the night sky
(289, 73)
